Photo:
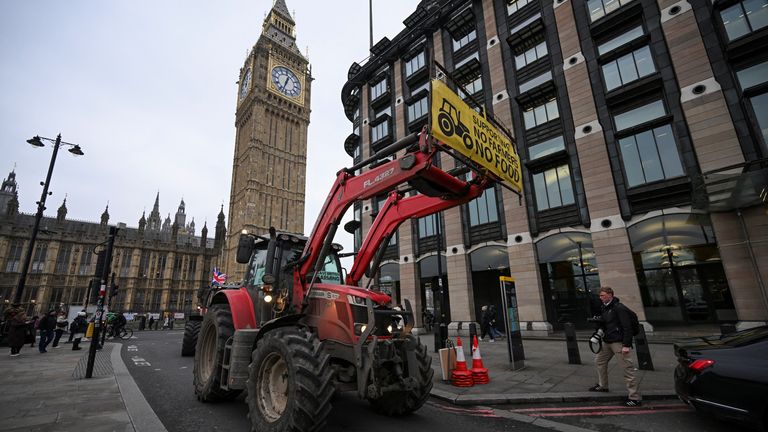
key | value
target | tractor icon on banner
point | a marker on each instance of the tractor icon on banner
(449, 121)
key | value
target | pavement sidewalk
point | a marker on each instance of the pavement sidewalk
(49, 392)
(548, 377)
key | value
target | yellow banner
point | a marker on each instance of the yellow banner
(456, 124)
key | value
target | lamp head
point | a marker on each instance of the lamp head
(35, 141)
(76, 151)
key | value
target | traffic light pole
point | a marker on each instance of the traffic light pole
(100, 303)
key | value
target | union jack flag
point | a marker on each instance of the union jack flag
(218, 277)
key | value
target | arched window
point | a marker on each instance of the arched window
(569, 277)
(679, 270)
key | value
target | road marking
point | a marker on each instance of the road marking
(477, 412)
(607, 413)
(133, 348)
(183, 367)
(138, 361)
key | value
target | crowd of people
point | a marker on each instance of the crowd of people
(20, 329)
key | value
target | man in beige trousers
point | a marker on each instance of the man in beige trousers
(617, 340)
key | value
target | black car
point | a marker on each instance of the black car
(726, 376)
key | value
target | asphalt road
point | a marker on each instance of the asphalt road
(165, 378)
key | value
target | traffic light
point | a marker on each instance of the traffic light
(115, 288)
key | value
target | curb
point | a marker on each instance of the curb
(142, 415)
(537, 398)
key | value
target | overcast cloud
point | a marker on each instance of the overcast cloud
(148, 90)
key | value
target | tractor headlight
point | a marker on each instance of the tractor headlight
(360, 328)
(268, 298)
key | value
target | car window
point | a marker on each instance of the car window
(745, 337)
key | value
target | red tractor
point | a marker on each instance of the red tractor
(297, 331)
(195, 320)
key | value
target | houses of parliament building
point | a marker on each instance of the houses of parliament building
(158, 266)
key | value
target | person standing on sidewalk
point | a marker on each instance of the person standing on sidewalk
(17, 324)
(61, 326)
(151, 321)
(617, 325)
(78, 328)
(47, 326)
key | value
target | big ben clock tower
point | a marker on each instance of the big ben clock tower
(270, 161)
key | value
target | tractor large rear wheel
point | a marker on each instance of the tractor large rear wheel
(191, 330)
(401, 402)
(290, 382)
(216, 328)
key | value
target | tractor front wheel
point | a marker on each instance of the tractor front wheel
(191, 330)
(290, 382)
(401, 402)
(216, 328)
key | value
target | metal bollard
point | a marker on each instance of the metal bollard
(644, 361)
(570, 341)
(472, 333)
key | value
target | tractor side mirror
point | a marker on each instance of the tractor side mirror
(352, 226)
(245, 247)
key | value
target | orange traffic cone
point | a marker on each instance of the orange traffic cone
(479, 372)
(461, 377)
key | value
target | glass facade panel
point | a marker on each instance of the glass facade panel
(541, 79)
(670, 157)
(639, 115)
(646, 146)
(599, 8)
(378, 89)
(566, 189)
(553, 194)
(553, 188)
(483, 209)
(757, 13)
(760, 107)
(611, 76)
(632, 168)
(620, 40)
(734, 21)
(650, 156)
(418, 109)
(644, 61)
(415, 64)
(546, 148)
(458, 44)
(516, 5)
(628, 68)
(752, 76)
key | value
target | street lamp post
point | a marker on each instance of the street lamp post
(37, 142)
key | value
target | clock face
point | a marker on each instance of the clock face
(245, 84)
(285, 81)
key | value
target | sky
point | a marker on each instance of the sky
(148, 90)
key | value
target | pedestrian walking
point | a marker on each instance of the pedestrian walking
(493, 330)
(485, 323)
(142, 322)
(34, 324)
(151, 321)
(79, 326)
(616, 323)
(170, 322)
(166, 323)
(61, 327)
(46, 326)
(16, 320)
